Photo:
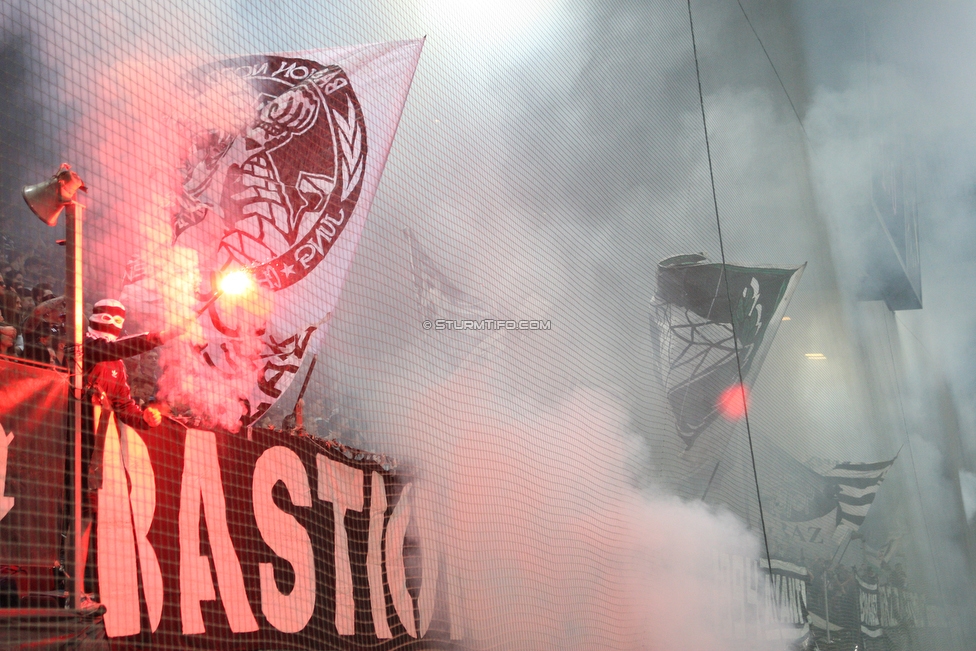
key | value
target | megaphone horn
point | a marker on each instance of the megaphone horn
(47, 199)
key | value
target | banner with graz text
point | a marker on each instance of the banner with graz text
(210, 540)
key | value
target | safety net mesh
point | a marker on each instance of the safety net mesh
(515, 325)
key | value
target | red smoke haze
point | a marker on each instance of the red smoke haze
(732, 402)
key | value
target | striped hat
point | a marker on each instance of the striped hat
(107, 318)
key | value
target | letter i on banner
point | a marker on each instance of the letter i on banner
(374, 557)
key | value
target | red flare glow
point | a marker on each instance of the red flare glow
(236, 283)
(732, 402)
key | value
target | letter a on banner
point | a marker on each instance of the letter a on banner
(202, 485)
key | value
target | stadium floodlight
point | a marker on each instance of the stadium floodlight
(47, 200)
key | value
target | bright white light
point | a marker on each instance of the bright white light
(236, 282)
(495, 21)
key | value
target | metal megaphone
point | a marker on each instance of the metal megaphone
(48, 199)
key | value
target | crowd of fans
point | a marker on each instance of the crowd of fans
(31, 310)
(833, 596)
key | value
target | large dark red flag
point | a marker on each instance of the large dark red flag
(32, 448)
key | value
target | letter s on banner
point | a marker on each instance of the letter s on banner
(286, 537)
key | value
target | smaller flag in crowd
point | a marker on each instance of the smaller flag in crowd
(439, 297)
(858, 485)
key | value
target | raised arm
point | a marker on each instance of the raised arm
(100, 350)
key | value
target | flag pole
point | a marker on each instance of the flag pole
(210, 301)
(46, 200)
(76, 305)
(710, 480)
(308, 375)
(826, 607)
(835, 559)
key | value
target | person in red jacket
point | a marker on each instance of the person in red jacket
(106, 381)
(107, 385)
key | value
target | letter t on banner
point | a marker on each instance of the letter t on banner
(343, 486)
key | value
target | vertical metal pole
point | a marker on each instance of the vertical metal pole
(76, 314)
(826, 607)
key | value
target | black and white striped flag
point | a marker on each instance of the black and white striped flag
(815, 507)
(858, 485)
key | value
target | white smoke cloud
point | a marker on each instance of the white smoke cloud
(895, 94)
(967, 481)
(146, 122)
(554, 543)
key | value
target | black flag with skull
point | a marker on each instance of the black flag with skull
(713, 324)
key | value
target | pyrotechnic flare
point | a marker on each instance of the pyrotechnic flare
(235, 283)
